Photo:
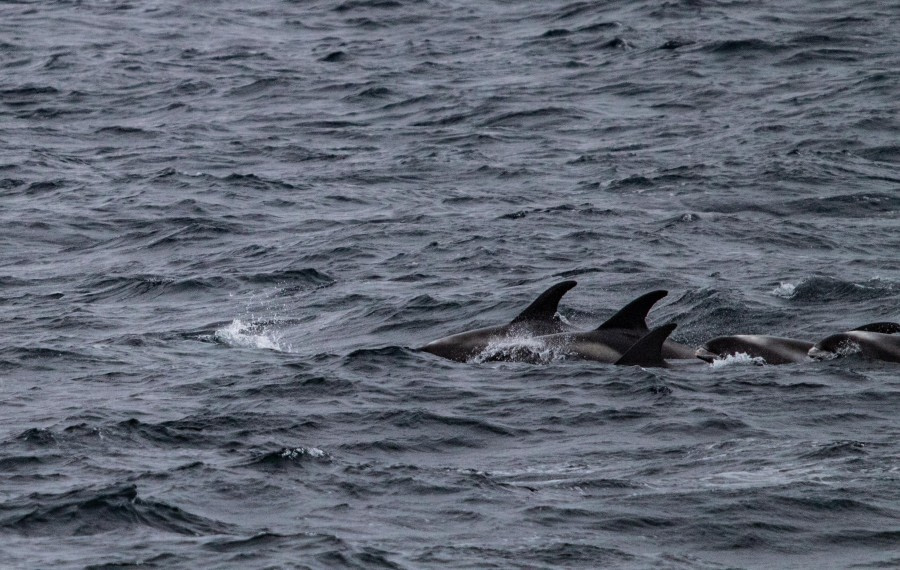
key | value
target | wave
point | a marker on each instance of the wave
(36, 356)
(438, 423)
(746, 46)
(149, 286)
(701, 428)
(26, 463)
(121, 131)
(373, 358)
(40, 437)
(821, 290)
(838, 449)
(352, 5)
(855, 205)
(534, 118)
(265, 87)
(294, 279)
(251, 545)
(290, 457)
(92, 510)
(426, 431)
(373, 92)
(179, 433)
(887, 539)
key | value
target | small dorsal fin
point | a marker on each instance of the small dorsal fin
(544, 307)
(647, 352)
(633, 316)
(883, 328)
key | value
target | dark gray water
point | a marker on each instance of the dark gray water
(224, 227)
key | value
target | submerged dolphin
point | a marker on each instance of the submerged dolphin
(877, 341)
(772, 349)
(619, 333)
(539, 318)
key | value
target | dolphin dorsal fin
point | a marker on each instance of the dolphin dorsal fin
(633, 316)
(883, 328)
(647, 352)
(544, 307)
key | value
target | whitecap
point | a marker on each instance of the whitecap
(784, 290)
(298, 452)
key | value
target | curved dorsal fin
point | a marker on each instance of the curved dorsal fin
(544, 307)
(647, 352)
(633, 316)
(883, 328)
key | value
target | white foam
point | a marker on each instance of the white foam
(298, 452)
(518, 349)
(847, 347)
(819, 354)
(562, 318)
(249, 335)
(767, 477)
(741, 358)
(784, 290)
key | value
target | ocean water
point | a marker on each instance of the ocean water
(226, 226)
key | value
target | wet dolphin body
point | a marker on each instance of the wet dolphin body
(777, 350)
(620, 332)
(539, 318)
(772, 349)
(646, 352)
(877, 341)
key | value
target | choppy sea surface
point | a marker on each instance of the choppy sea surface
(226, 226)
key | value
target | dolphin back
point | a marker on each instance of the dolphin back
(883, 328)
(872, 345)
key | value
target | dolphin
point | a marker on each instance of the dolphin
(772, 349)
(617, 334)
(877, 341)
(777, 350)
(646, 352)
(539, 318)
(880, 327)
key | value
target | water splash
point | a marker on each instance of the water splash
(738, 359)
(823, 289)
(516, 349)
(299, 452)
(846, 348)
(251, 335)
(784, 290)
